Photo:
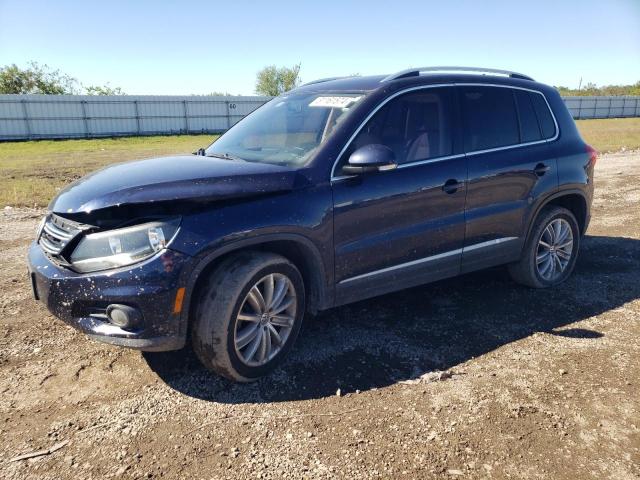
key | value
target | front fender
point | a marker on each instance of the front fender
(321, 280)
(302, 217)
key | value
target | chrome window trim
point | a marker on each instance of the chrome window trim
(429, 160)
(488, 243)
(335, 178)
(439, 256)
(403, 265)
(409, 164)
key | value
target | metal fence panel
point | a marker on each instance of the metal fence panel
(83, 116)
(603, 107)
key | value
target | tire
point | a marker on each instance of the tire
(533, 269)
(226, 314)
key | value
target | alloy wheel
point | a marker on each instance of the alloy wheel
(555, 248)
(265, 319)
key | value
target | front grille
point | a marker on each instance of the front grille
(57, 233)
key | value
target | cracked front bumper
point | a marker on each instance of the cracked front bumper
(80, 300)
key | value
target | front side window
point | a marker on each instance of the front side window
(416, 126)
(490, 118)
(286, 131)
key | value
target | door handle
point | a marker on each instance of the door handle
(451, 186)
(541, 169)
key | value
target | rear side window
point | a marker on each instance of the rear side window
(416, 126)
(490, 116)
(529, 129)
(547, 125)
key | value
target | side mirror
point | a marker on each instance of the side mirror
(370, 158)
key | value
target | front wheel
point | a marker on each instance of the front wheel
(249, 315)
(551, 251)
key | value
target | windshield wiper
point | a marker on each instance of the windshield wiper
(225, 156)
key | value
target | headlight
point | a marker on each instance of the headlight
(124, 246)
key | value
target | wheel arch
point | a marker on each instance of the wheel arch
(296, 248)
(573, 200)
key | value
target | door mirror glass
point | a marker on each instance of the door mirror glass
(370, 158)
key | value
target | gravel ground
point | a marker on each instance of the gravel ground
(473, 377)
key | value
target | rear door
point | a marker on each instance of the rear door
(509, 167)
(402, 227)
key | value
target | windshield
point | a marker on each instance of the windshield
(287, 130)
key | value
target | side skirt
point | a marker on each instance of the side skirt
(428, 269)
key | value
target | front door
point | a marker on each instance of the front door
(398, 228)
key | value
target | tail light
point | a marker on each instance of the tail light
(593, 155)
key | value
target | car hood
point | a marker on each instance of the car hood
(167, 179)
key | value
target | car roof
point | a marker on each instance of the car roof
(375, 82)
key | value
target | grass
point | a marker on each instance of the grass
(31, 173)
(612, 134)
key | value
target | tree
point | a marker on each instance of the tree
(104, 90)
(274, 81)
(36, 78)
(608, 90)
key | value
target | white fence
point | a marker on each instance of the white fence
(603, 107)
(83, 116)
(86, 116)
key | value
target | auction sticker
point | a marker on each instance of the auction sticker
(333, 102)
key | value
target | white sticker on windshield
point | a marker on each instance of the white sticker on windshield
(334, 102)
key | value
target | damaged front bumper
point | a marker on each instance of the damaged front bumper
(150, 287)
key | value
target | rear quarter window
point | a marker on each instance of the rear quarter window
(547, 125)
(490, 118)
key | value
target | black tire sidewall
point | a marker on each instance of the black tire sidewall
(553, 214)
(241, 368)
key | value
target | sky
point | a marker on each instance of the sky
(198, 47)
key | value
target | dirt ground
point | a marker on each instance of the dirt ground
(473, 377)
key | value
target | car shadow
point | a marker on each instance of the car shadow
(401, 336)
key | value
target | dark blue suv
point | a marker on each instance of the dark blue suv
(337, 191)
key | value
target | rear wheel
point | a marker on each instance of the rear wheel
(551, 251)
(248, 315)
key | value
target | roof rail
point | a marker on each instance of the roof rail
(414, 72)
(321, 80)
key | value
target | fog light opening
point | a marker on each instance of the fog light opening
(123, 316)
